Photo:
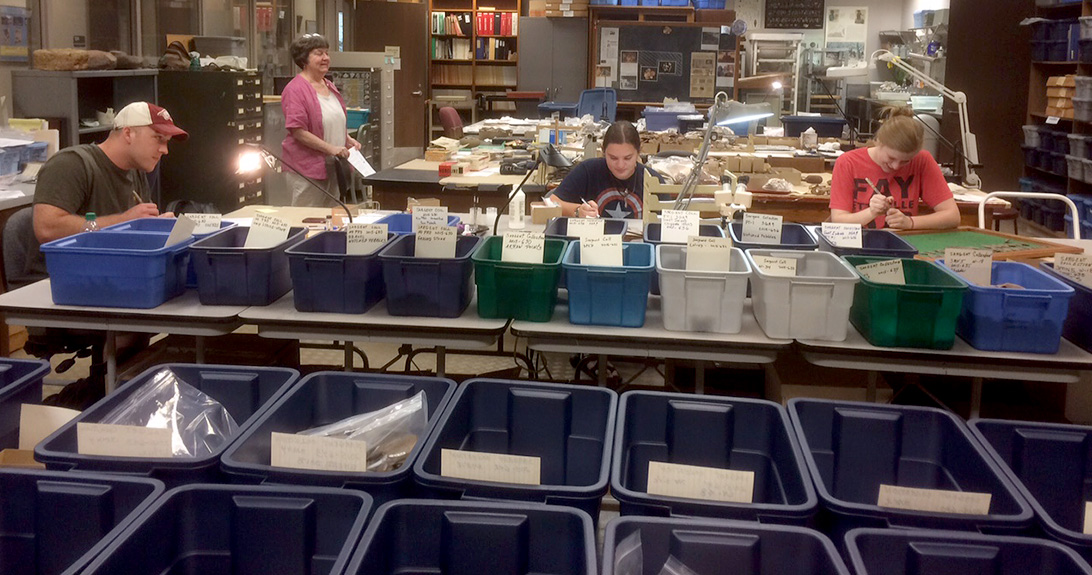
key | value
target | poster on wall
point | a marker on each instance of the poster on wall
(703, 67)
(14, 31)
(847, 30)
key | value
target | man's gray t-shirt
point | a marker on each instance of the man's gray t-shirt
(67, 183)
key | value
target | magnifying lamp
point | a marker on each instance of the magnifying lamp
(255, 156)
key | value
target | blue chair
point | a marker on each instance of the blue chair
(602, 103)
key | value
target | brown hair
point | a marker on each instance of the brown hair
(301, 48)
(622, 132)
(900, 130)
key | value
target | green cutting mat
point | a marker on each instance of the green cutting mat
(932, 245)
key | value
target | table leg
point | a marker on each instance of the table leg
(441, 360)
(199, 348)
(976, 396)
(111, 361)
(601, 369)
(771, 383)
(348, 355)
(699, 377)
(870, 391)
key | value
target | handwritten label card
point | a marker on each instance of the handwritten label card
(781, 267)
(708, 254)
(181, 231)
(364, 239)
(122, 440)
(697, 482)
(205, 223)
(36, 422)
(318, 453)
(429, 215)
(885, 272)
(934, 500)
(843, 235)
(761, 228)
(523, 247)
(975, 266)
(1077, 267)
(490, 467)
(266, 231)
(581, 228)
(676, 226)
(1087, 518)
(601, 251)
(434, 241)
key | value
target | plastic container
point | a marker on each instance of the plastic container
(9, 162)
(110, 269)
(899, 552)
(1074, 167)
(243, 391)
(1054, 215)
(1059, 164)
(229, 274)
(812, 305)
(875, 243)
(793, 237)
(1078, 145)
(674, 2)
(1018, 320)
(602, 295)
(20, 382)
(326, 279)
(1087, 175)
(825, 126)
(569, 427)
(707, 546)
(922, 313)
(851, 449)
(426, 536)
(659, 119)
(558, 228)
(517, 290)
(323, 398)
(1031, 136)
(1061, 142)
(1039, 50)
(652, 236)
(1047, 138)
(1075, 328)
(705, 301)
(720, 432)
(356, 118)
(650, 2)
(1086, 31)
(164, 225)
(55, 523)
(1031, 157)
(242, 530)
(709, 4)
(33, 152)
(1082, 108)
(427, 287)
(603, 2)
(403, 223)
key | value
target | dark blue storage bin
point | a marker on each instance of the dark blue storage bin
(600, 295)
(709, 4)
(652, 236)
(464, 537)
(874, 243)
(708, 546)
(903, 552)
(323, 398)
(111, 269)
(164, 226)
(1031, 156)
(1039, 50)
(559, 228)
(1049, 464)
(852, 448)
(825, 126)
(603, 2)
(721, 432)
(20, 382)
(1019, 320)
(1077, 321)
(403, 223)
(793, 237)
(55, 523)
(228, 274)
(243, 391)
(326, 279)
(570, 427)
(428, 287)
(241, 530)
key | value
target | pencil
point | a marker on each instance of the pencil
(139, 200)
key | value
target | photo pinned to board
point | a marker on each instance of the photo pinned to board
(649, 74)
(669, 68)
(627, 83)
(710, 38)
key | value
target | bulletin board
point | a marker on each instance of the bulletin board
(646, 62)
(794, 14)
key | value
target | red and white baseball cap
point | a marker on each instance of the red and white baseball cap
(147, 114)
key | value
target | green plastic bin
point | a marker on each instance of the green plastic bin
(922, 313)
(516, 290)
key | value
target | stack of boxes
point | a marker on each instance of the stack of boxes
(1060, 91)
(566, 8)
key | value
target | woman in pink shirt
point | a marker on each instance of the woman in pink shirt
(318, 141)
(884, 184)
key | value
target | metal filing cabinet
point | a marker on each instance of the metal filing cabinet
(360, 88)
(222, 111)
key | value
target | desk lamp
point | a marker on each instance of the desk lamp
(255, 155)
(548, 155)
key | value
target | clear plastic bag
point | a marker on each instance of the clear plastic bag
(628, 557)
(390, 433)
(675, 567)
(199, 424)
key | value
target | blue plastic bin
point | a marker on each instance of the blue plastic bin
(464, 537)
(1049, 464)
(793, 237)
(164, 225)
(403, 223)
(243, 391)
(558, 228)
(825, 126)
(902, 552)
(428, 287)
(323, 398)
(241, 530)
(355, 118)
(652, 236)
(9, 162)
(229, 274)
(603, 2)
(570, 427)
(55, 523)
(708, 546)
(326, 279)
(1020, 320)
(660, 119)
(600, 295)
(1077, 321)
(20, 382)
(721, 432)
(709, 4)
(852, 448)
(874, 243)
(32, 152)
(109, 269)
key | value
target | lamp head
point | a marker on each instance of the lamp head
(252, 158)
(552, 157)
(738, 113)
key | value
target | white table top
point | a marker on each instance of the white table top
(16, 195)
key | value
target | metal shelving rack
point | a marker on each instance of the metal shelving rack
(778, 53)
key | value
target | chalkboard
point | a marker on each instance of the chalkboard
(794, 14)
(653, 60)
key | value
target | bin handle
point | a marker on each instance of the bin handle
(1034, 195)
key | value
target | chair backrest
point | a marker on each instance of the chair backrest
(451, 121)
(23, 262)
(602, 103)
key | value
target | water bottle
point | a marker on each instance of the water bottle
(90, 224)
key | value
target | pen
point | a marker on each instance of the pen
(584, 202)
(139, 200)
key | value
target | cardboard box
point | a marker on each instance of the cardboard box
(1059, 92)
(1060, 112)
(542, 214)
(1066, 81)
(411, 202)
(21, 458)
(567, 14)
(437, 155)
(536, 8)
(446, 168)
(1059, 103)
(650, 147)
(477, 161)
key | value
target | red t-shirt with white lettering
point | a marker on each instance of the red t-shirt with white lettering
(919, 180)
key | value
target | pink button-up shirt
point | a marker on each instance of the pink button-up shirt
(301, 110)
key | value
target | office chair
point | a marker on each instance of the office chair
(452, 122)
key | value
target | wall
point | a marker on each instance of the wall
(216, 18)
(64, 19)
(7, 67)
(912, 6)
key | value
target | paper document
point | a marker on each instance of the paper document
(357, 161)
